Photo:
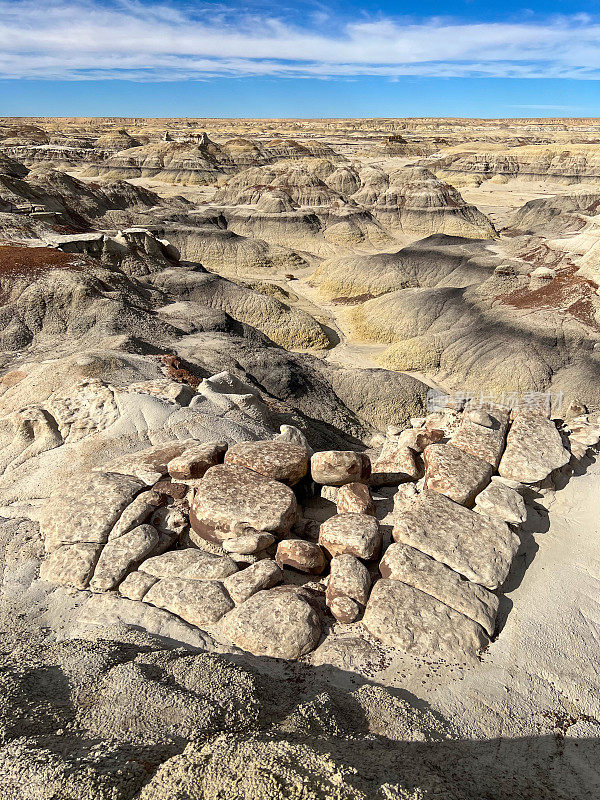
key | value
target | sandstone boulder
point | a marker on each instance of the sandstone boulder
(229, 495)
(261, 575)
(248, 543)
(404, 563)
(458, 475)
(151, 464)
(281, 461)
(501, 501)
(404, 617)
(534, 449)
(279, 624)
(136, 584)
(478, 547)
(86, 508)
(301, 555)
(71, 564)
(197, 602)
(396, 463)
(191, 564)
(194, 461)
(120, 555)
(355, 534)
(348, 578)
(337, 467)
(355, 498)
(344, 609)
(485, 441)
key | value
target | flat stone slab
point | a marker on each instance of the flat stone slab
(356, 534)
(151, 464)
(501, 501)
(194, 461)
(404, 563)
(337, 467)
(230, 496)
(71, 564)
(262, 575)
(281, 461)
(189, 563)
(278, 623)
(198, 602)
(86, 508)
(458, 475)
(396, 463)
(404, 617)
(480, 440)
(478, 547)
(120, 555)
(534, 449)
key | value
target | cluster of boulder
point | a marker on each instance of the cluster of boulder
(222, 536)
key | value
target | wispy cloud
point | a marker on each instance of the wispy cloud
(135, 40)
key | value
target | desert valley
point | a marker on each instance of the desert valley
(299, 423)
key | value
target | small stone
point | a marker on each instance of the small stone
(136, 584)
(331, 493)
(137, 512)
(355, 498)
(301, 555)
(575, 409)
(191, 564)
(419, 439)
(197, 602)
(456, 474)
(337, 467)
(501, 501)
(278, 624)
(177, 491)
(344, 609)
(71, 564)
(405, 496)
(149, 465)
(480, 417)
(348, 578)
(356, 534)
(250, 543)
(194, 461)
(293, 435)
(229, 495)
(261, 575)
(120, 555)
(589, 435)
(397, 463)
(281, 461)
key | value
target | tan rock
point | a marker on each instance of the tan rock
(194, 461)
(478, 547)
(355, 498)
(248, 543)
(344, 609)
(458, 475)
(86, 508)
(229, 495)
(404, 563)
(501, 501)
(482, 441)
(348, 578)
(279, 624)
(534, 449)
(256, 577)
(197, 602)
(292, 434)
(121, 555)
(191, 564)
(337, 467)
(71, 564)
(396, 463)
(420, 438)
(149, 465)
(281, 461)
(301, 555)
(137, 512)
(136, 584)
(416, 623)
(405, 496)
(355, 534)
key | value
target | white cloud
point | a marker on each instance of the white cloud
(85, 39)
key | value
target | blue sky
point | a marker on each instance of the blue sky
(312, 59)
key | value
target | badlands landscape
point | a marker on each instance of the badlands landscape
(298, 432)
